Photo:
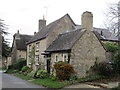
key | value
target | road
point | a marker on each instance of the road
(10, 81)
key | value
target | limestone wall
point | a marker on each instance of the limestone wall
(42, 48)
(85, 52)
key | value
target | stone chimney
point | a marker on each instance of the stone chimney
(87, 21)
(42, 24)
(17, 35)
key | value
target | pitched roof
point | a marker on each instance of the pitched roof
(43, 33)
(21, 43)
(65, 41)
(103, 34)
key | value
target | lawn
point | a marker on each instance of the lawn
(49, 83)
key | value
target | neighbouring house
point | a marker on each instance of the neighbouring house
(43, 39)
(63, 40)
(19, 47)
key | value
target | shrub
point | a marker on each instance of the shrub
(116, 61)
(31, 74)
(63, 70)
(25, 68)
(111, 47)
(42, 74)
(103, 68)
(54, 78)
(21, 62)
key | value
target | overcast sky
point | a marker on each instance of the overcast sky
(23, 15)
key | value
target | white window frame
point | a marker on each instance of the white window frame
(37, 60)
(56, 58)
(37, 46)
(65, 59)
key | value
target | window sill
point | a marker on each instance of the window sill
(37, 64)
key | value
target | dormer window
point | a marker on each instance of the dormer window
(37, 46)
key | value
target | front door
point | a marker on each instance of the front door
(48, 65)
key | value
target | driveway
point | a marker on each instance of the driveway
(10, 81)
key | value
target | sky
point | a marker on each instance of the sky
(23, 15)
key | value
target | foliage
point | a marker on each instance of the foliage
(73, 77)
(116, 62)
(31, 74)
(54, 78)
(5, 47)
(42, 74)
(12, 71)
(17, 66)
(21, 62)
(32, 55)
(111, 47)
(103, 68)
(25, 68)
(63, 70)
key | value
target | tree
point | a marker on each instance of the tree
(113, 19)
(5, 49)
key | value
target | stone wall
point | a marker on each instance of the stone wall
(85, 52)
(64, 25)
(42, 48)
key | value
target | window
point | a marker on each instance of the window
(56, 58)
(37, 46)
(29, 48)
(37, 60)
(65, 57)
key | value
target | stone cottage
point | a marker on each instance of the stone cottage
(80, 47)
(19, 47)
(63, 40)
(43, 39)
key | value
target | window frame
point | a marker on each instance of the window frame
(37, 60)
(37, 46)
(56, 58)
(65, 59)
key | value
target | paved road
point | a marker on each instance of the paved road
(10, 81)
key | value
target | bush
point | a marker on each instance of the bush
(111, 47)
(25, 68)
(116, 61)
(42, 74)
(21, 62)
(54, 78)
(103, 68)
(63, 70)
(31, 74)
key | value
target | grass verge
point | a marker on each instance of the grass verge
(49, 83)
(44, 82)
(22, 76)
